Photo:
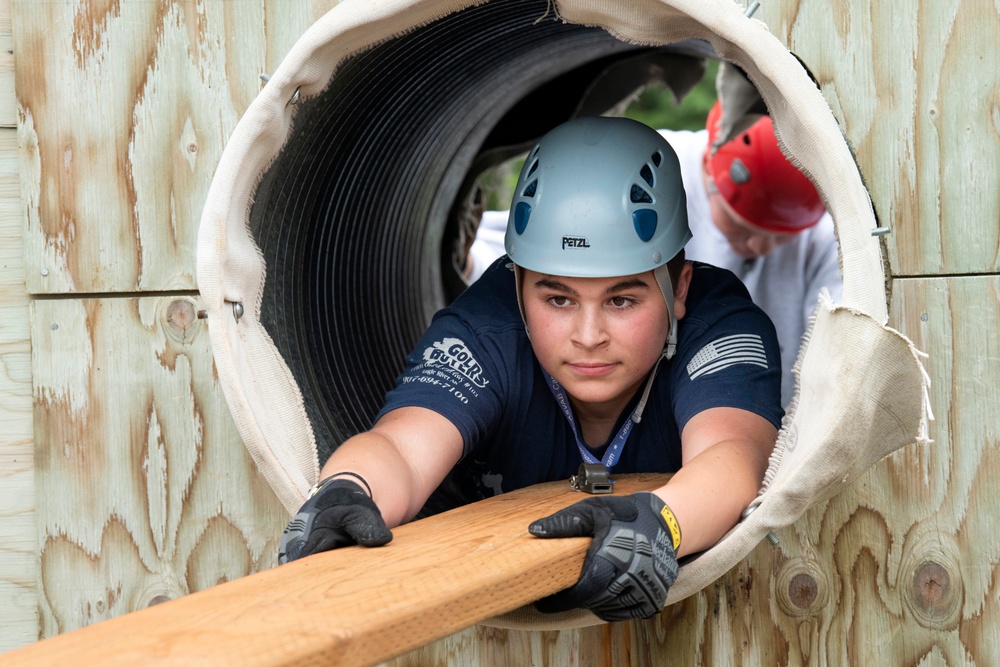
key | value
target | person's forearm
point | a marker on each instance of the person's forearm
(376, 459)
(403, 458)
(709, 493)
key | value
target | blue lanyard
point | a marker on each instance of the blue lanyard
(614, 450)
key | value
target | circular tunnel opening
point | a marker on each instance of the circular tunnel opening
(358, 217)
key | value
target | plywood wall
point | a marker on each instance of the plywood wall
(125, 109)
(146, 493)
(914, 85)
(124, 481)
(18, 622)
(142, 485)
(18, 617)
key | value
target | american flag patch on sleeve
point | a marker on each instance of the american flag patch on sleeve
(725, 352)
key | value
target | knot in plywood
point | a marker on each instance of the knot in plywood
(801, 587)
(929, 579)
(934, 596)
(803, 590)
(181, 321)
(931, 586)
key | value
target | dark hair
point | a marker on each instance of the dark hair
(674, 267)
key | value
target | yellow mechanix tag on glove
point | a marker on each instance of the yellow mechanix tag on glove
(675, 528)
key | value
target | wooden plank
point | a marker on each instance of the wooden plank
(145, 491)
(915, 90)
(125, 110)
(18, 553)
(353, 606)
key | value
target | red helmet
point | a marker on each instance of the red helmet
(757, 180)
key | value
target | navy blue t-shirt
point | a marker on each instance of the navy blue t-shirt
(474, 365)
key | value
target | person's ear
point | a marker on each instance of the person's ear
(706, 175)
(681, 290)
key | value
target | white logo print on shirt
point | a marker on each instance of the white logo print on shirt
(728, 351)
(453, 353)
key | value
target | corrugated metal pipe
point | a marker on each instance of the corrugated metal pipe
(358, 217)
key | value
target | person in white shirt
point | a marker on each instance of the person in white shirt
(752, 212)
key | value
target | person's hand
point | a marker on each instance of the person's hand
(631, 563)
(337, 514)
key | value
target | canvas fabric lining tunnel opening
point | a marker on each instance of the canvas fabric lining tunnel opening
(325, 220)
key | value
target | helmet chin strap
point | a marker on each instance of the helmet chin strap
(667, 289)
(518, 279)
(662, 276)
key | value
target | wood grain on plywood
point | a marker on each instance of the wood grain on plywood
(145, 491)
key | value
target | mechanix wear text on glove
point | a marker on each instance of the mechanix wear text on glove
(631, 563)
(338, 513)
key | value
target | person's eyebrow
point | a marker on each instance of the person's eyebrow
(555, 286)
(627, 284)
(621, 286)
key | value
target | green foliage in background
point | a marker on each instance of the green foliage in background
(655, 106)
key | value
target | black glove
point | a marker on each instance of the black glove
(631, 563)
(338, 513)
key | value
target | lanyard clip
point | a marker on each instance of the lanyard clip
(592, 478)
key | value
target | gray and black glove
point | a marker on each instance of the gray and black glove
(337, 514)
(631, 563)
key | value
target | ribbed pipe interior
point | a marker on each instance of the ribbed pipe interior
(353, 216)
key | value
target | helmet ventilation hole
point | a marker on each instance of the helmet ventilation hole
(647, 174)
(640, 196)
(529, 190)
(657, 158)
(534, 166)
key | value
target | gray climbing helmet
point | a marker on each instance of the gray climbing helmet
(600, 197)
